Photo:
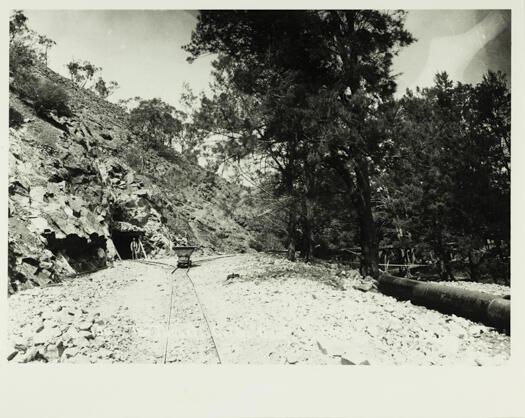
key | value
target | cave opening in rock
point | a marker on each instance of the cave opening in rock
(122, 241)
(81, 253)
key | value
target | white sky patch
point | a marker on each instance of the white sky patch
(141, 49)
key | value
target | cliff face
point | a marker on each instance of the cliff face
(80, 188)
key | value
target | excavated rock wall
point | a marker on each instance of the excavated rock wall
(70, 189)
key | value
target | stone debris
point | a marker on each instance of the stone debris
(232, 276)
(120, 315)
(58, 324)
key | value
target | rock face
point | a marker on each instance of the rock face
(76, 199)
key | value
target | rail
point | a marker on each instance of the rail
(201, 306)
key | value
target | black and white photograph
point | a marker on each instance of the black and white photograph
(259, 187)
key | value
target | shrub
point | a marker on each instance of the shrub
(22, 61)
(51, 98)
(16, 119)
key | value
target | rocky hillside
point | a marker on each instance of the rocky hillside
(80, 188)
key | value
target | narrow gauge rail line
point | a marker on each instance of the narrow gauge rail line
(169, 317)
(205, 317)
(175, 268)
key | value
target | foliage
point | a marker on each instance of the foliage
(83, 75)
(17, 24)
(50, 98)
(104, 89)
(22, 53)
(45, 44)
(191, 136)
(445, 190)
(304, 99)
(82, 72)
(169, 154)
(26, 47)
(127, 105)
(279, 75)
(21, 60)
(154, 122)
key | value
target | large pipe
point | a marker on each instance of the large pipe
(478, 306)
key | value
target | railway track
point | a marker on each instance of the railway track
(173, 274)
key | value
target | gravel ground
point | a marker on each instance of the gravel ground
(261, 310)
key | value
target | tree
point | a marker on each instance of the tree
(482, 192)
(446, 180)
(22, 55)
(45, 44)
(104, 89)
(190, 136)
(281, 58)
(82, 72)
(418, 180)
(27, 47)
(264, 127)
(17, 24)
(360, 46)
(154, 122)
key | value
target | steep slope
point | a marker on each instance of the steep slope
(80, 188)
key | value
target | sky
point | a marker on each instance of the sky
(141, 49)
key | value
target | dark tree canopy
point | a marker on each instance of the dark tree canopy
(298, 65)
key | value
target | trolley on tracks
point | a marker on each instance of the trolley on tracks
(183, 256)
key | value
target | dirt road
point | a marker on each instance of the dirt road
(269, 311)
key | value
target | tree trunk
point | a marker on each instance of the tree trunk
(308, 233)
(368, 234)
(445, 269)
(292, 220)
(474, 262)
(361, 198)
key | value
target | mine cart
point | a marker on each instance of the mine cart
(183, 256)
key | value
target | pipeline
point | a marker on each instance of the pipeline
(481, 307)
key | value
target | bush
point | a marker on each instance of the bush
(21, 62)
(16, 119)
(51, 98)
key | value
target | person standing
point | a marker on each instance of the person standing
(140, 249)
(133, 248)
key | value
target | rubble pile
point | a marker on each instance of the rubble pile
(62, 323)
